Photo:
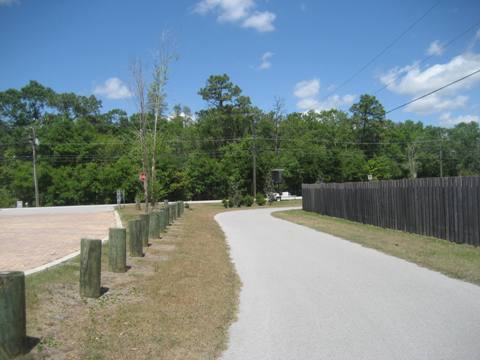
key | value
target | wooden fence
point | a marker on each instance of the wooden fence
(447, 208)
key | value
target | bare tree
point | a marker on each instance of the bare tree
(164, 55)
(136, 69)
(278, 113)
(412, 160)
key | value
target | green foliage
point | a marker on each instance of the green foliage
(260, 199)
(247, 200)
(85, 155)
(225, 203)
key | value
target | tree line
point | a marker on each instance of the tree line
(83, 155)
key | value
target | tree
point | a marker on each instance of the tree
(277, 117)
(156, 94)
(139, 93)
(219, 90)
(368, 116)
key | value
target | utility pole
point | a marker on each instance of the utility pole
(441, 161)
(254, 153)
(34, 159)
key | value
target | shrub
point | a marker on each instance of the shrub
(248, 200)
(236, 200)
(225, 203)
(260, 199)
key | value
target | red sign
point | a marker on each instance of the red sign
(141, 177)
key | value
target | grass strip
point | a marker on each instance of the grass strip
(177, 302)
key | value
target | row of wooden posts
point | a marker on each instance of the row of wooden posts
(12, 283)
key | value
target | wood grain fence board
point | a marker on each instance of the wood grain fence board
(447, 208)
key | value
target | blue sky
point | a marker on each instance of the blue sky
(300, 51)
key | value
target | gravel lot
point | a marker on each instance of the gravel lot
(309, 295)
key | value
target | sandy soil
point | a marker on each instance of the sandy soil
(28, 241)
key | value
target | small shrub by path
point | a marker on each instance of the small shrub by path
(455, 260)
(177, 302)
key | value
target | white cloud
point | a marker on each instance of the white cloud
(308, 104)
(435, 103)
(336, 101)
(413, 81)
(228, 10)
(448, 120)
(114, 89)
(9, 2)
(332, 102)
(435, 48)
(307, 88)
(265, 61)
(307, 91)
(239, 12)
(260, 21)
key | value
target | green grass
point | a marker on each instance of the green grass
(455, 260)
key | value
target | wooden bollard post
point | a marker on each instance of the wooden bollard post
(167, 215)
(178, 210)
(174, 213)
(90, 267)
(160, 222)
(165, 219)
(154, 226)
(135, 243)
(13, 329)
(117, 250)
(145, 219)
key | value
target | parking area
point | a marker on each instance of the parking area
(29, 239)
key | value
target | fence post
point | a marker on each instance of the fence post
(154, 227)
(167, 215)
(135, 243)
(13, 330)
(161, 221)
(90, 267)
(174, 207)
(145, 219)
(117, 250)
(151, 225)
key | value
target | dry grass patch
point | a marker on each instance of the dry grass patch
(455, 260)
(177, 302)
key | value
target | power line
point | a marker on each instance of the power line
(433, 92)
(450, 42)
(388, 47)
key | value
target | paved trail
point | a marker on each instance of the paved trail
(309, 295)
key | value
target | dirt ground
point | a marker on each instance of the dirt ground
(28, 241)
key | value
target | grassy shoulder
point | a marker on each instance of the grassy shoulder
(177, 302)
(455, 260)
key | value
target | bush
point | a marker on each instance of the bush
(247, 200)
(260, 199)
(236, 200)
(225, 203)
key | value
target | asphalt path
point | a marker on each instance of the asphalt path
(310, 295)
